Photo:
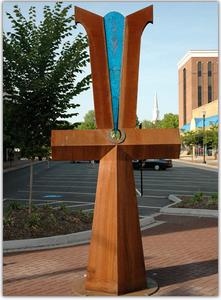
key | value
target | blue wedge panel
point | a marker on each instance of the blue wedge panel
(114, 30)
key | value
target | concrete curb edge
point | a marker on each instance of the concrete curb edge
(195, 212)
(57, 241)
(22, 166)
(201, 165)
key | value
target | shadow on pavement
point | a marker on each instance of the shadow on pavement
(51, 274)
(179, 223)
(181, 273)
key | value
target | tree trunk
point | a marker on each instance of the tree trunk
(215, 154)
(30, 187)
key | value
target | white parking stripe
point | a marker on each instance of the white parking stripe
(78, 205)
(63, 186)
(137, 180)
(50, 201)
(179, 180)
(138, 192)
(66, 180)
(177, 191)
(147, 206)
(18, 199)
(58, 192)
(166, 184)
(154, 196)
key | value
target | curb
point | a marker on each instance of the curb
(190, 212)
(205, 166)
(58, 241)
(22, 166)
(194, 212)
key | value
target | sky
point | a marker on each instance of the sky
(177, 28)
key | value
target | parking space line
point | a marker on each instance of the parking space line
(147, 206)
(66, 180)
(181, 180)
(49, 201)
(18, 199)
(74, 176)
(79, 205)
(138, 192)
(171, 190)
(175, 176)
(177, 185)
(42, 204)
(58, 192)
(63, 186)
(154, 196)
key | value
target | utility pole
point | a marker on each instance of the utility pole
(204, 154)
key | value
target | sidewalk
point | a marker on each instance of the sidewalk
(180, 254)
(210, 161)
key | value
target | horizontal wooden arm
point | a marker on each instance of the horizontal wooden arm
(94, 144)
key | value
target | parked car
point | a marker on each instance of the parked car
(156, 164)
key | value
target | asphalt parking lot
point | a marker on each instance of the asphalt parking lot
(75, 185)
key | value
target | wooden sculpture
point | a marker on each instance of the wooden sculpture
(116, 261)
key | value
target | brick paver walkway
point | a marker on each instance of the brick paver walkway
(180, 254)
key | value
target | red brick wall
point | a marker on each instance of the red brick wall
(192, 85)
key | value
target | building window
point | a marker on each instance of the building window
(209, 69)
(199, 68)
(199, 75)
(199, 95)
(210, 89)
(184, 96)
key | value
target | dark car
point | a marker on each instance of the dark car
(156, 164)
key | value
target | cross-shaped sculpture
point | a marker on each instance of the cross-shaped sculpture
(116, 261)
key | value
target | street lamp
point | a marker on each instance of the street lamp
(141, 170)
(204, 154)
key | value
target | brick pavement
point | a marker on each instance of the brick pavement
(180, 254)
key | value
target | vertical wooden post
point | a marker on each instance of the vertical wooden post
(116, 262)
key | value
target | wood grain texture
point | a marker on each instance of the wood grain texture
(94, 144)
(99, 137)
(116, 262)
(134, 26)
(94, 27)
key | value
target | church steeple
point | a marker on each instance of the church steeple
(156, 111)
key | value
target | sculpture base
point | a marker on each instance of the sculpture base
(79, 289)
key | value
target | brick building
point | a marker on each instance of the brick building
(198, 88)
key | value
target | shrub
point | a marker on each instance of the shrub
(213, 200)
(198, 197)
(47, 207)
(64, 208)
(33, 219)
(14, 205)
(8, 221)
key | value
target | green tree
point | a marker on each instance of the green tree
(211, 137)
(40, 69)
(189, 138)
(137, 122)
(40, 77)
(147, 124)
(89, 121)
(63, 124)
(169, 121)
